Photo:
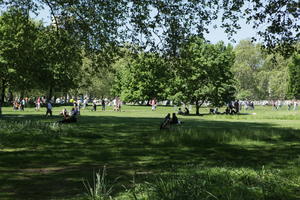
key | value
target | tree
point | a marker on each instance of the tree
(274, 84)
(259, 74)
(94, 83)
(17, 65)
(248, 61)
(172, 21)
(294, 81)
(204, 74)
(141, 77)
(59, 56)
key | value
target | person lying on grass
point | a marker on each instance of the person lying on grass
(70, 118)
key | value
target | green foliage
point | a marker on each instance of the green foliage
(294, 81)
(141, 77)
(34, 57)
(204, 74)
(17, 62)
(142, 22)
(94, 83)
(259, 75)
(59, 56)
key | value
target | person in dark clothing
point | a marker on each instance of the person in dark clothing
(180, 112)
(94, 105)
(237, 106)
(174, 119)
(186, 111)
(49, 109)
(103, 104)
(166, 122)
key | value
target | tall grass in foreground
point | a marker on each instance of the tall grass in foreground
(208, 184)
(99, 189)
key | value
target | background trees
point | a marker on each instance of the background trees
(93, 83)
(142, 77)
(172, 62)
(203, 74)
(259, 74)
(36, 57)
(17, 33)
(59, 58)
(294, 81)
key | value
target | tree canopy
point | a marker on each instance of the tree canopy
(36, 57)
(166, 24)
(259, 74)
(204, 74)
(17, 34)
(294, 82)
(142, 77)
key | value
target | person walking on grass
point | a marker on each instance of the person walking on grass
(295, 105)
(38, 104)
(22, 104)
(94, 105)
(49, 109)
(153, 104)
(103, 104)
(85, 102)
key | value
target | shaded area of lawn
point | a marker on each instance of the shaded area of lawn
(53, 165)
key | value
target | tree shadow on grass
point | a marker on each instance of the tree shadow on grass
(54, 167)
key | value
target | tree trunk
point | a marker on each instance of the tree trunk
(10, 96)
(50, 93)
(66, 97)
(2, 96)
(197, 108)
(22, 94)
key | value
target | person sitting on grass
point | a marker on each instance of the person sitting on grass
(186, 111)
(180, 112)
(166, 123)
(70, 118)
(214, 111)
(64, 112)
(175, 120)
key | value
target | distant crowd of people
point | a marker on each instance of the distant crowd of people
(233, 107)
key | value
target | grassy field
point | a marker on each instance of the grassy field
(248, 156)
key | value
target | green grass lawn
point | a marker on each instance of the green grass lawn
(233, 157)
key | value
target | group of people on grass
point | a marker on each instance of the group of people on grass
(168, 121)
(19, 103)
(292, 105)
(233, 107)
(185, 112)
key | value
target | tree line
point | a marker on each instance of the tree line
(51, 60)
